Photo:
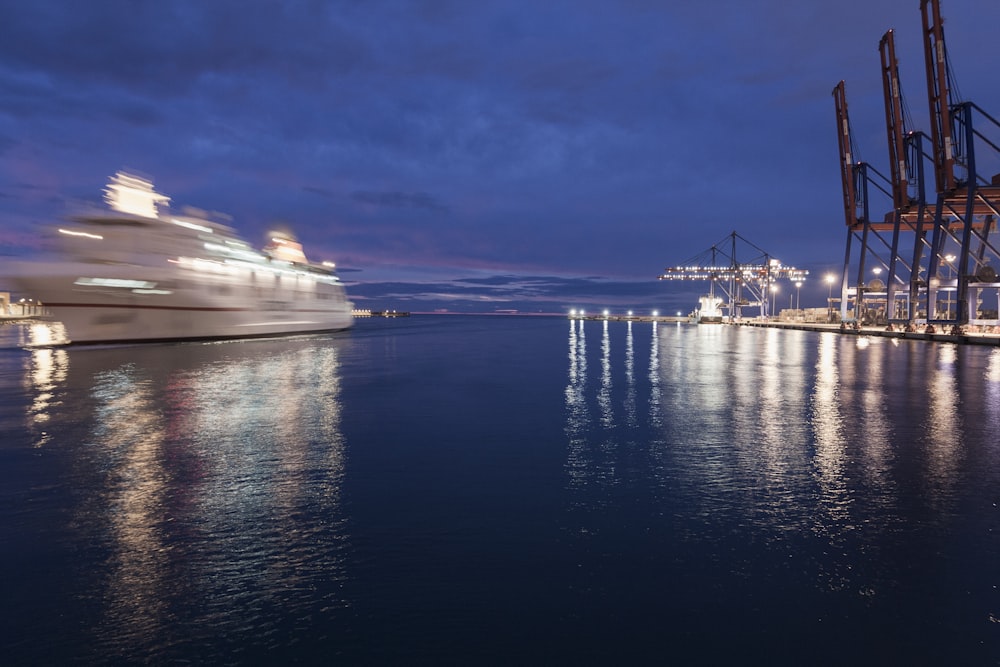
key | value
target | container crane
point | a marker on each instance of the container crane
(856, 177)
(744, 283)
(906, 171)
(968, 204)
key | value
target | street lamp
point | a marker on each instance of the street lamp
(830, 279)
(774, 291)
(798, 284)
(947, 301)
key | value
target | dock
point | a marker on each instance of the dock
(971, 335)
(630, 318)
(380, 313)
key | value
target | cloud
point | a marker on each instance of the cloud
(420, 200)
(527, 293)
(509, 142)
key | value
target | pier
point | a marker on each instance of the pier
(629, 318)
(970, 334)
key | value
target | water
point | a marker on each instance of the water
(485, 490)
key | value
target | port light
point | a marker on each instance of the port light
(114, 282)
(192, 225)
(70, 232)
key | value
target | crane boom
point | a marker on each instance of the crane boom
(846, 161)
(936, 61)
(894, 122)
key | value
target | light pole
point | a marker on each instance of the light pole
(947, 302)
(830, 278)
(798, 284)
(877, 270)
(774, 291)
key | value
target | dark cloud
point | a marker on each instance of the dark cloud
(482, 151)
(168, 47)
(399, 200)
(549, 294)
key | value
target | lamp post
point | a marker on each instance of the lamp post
(947, 301)
(830, 278)
(877, 270)
(774, 291)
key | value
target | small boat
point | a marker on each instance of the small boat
(136, 272)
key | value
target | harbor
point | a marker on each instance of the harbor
(807, 320)
(21, 309)
(434, 488)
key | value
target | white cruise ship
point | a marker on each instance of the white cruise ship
(137, 272)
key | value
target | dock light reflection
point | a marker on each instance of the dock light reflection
(630, 389)
(828, 425)
(48, 370)
(604, 395)
(205, 458)
(944, 429)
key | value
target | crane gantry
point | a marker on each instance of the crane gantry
(955, 264)
(744, 282)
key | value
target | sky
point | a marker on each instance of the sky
(480, 156)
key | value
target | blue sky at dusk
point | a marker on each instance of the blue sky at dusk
(473, 156)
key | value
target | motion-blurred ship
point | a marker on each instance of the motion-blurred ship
(138, 273)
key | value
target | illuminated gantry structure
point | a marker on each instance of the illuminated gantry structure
(745, 283)
(938, 251)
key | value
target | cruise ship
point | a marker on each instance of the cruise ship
(136, 272)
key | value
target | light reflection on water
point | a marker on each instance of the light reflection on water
(943, 426)
(604, 395)
(655, 396)
(782, 433)
(219, 468)
(443, 489)
(48, 372)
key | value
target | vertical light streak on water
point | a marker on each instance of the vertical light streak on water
(698, 428)
(943, 428)
(744, 381)
(655, 407)
(328, 415)
(577, 417)
(828, 427)
(630, 414)
(604, 395)
(695, 370)
(783, 439)
(992, 396)
(263, 467)
(832, 521)
(877, 453)
(130, 432)
(993, 366)
(211, 487)
(773, 392)
(49, 367)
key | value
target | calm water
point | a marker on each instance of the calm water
(463, 490)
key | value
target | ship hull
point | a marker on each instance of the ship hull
(141, 306)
